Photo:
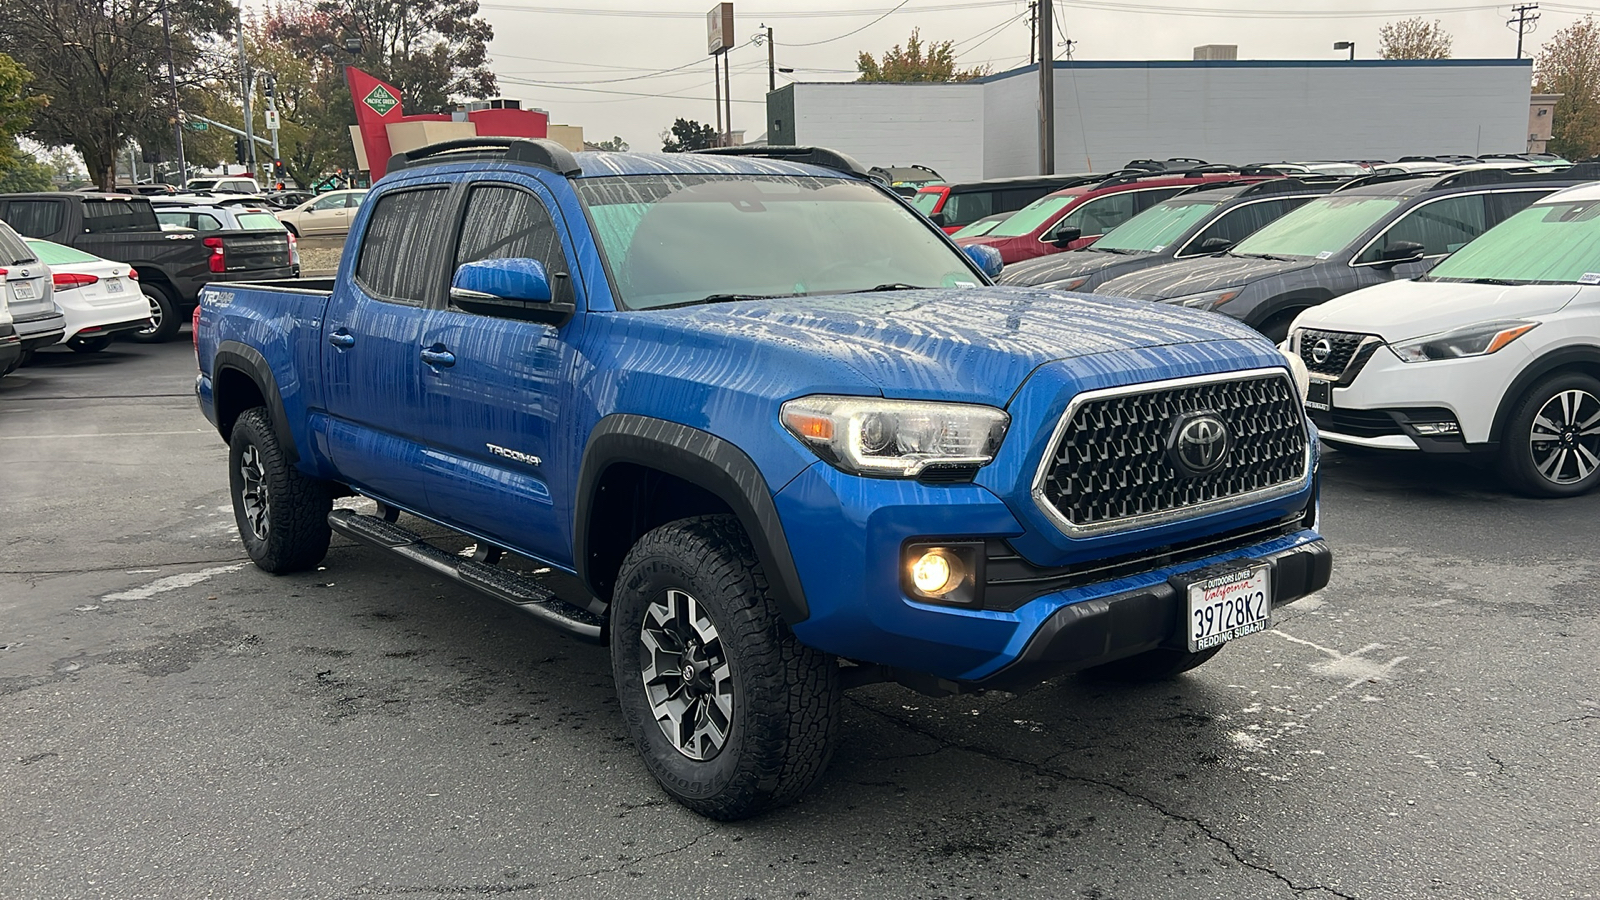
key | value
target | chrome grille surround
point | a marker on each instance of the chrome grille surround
(1201, 495)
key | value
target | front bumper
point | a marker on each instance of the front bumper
(1394, 405)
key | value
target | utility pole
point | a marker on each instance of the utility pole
(1033, 33)
(246, 83)
(172, 83)
(1047, 92)
(1523, 23)
(772, 63)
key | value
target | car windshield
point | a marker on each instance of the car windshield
(926, 201)
(201, 184)
(53, 254)
(1156, 227)
(1028, 219)
(1556, 243)
(979, 228)
(678, 239)
(1319, 229)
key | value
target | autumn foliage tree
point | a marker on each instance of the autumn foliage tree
(1414, 38)
(917, 61)
(1569, 64)
(686, 135)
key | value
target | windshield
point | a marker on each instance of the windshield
(1028, 219)
(978, 228)
(927, 201)
(53, 254)
(677, 239)
(1156, 227)
(1558, 243)
(201, 184)
(1319, 229)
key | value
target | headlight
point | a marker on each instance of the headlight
(1474, 340)
(1297, 368)
(895, 438)
(1208, 300)
(1070, 284)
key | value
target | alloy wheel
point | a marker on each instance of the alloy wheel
(1565, 437)
(687, 679)
(253, 495)
(155, 318)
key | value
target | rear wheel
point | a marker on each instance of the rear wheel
(164, 318)
(1551, 446)
(281, 512)
(731, 713)
(291, 229)
(1152, 665)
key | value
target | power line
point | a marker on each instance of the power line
(769, 14)
(856, 31)
(1523, 23)
(1258, 13)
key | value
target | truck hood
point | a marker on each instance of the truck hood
(1181, 278)
(1064, 266)
(973, 344)
(1402, 310)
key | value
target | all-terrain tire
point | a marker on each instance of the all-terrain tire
(783, 697)
(281, 512)
(1551, 444)
(1160, 664)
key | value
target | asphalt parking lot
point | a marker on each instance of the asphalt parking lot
(180, 724)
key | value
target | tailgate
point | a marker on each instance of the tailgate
(248, 251)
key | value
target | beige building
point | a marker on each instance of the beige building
(1541, 118)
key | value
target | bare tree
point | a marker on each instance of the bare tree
(1414, 39)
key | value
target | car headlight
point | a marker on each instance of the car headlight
(1070, 284)
(1474, 340)
(1297, 368)
(895, 438)
(1208, 300)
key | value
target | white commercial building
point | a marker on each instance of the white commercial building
(1108, 113)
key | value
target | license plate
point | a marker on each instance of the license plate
(113, 285)
(1320, 396)
(1229, 605)
(23, 290)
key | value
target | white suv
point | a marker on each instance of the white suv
(1496, 350)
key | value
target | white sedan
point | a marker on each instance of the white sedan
(1495, 351)
(99, 298)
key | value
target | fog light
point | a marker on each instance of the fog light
(1436, 428)
(936, 572)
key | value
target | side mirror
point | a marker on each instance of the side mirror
(986, 258)
(936, 218)
(1065, 235)
(1401, 252)
(508, 289)
(1214, 245)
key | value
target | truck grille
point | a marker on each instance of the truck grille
(1341, 357)
(1114, 465)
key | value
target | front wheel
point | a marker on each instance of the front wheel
(281, 512)
(731, 713)
(164, 318)
(1551, 446)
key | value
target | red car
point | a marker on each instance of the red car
(1075, 217)
(954, 206)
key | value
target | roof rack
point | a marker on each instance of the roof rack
(539, 152)
(1367, 180)
(815, 156)
(1298, 184)
(1129, 176)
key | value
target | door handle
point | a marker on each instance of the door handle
(440, 357)
(342, 339)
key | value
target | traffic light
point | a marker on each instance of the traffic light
(239, 151)
(278, 174)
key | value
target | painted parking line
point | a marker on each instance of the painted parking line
(99, 434)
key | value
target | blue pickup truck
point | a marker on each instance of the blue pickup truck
(788, 438)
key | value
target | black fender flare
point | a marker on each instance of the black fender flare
(1539, 368)
(1301, 299)
(248, 360)
(702, 459)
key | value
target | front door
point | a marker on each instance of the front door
(495, 390)
(372, 367)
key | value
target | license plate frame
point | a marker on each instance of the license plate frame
(1319, 395)
(1227, 604)
(113, 285)
(24, 290)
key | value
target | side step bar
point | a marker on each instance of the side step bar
(520, 591)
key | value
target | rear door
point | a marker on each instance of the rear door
(493, 401)
(371, 370)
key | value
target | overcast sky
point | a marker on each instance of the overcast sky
(605, 53)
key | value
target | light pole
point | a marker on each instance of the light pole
(1346, 45)
(172, 84)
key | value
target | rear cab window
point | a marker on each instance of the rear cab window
(394, 262)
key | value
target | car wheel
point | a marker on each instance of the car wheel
(1551, 446)
(164, 318)
(1277, 328)
(731, 713)
(282, 513)
(292, 230)
(89, 345)
(25, 359)
(1152, 665)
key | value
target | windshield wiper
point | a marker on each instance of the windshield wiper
(890, 286)
(1262, 256)
(1118, 250)
(1503, 282)
(724, 298)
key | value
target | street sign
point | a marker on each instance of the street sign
(272, 120)
(719, 29)
(198, 126)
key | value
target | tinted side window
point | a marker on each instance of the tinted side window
(1016, 198)
(35, 218)
(118, 216)
(1143, 200)
(1502, 205)
(1240, 222)
(394, 263)
(1441, 227)
(964, 209)
(505, 222)
(1101, 214)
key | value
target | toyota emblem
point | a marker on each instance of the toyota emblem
(1321, 350)
(1199, 443)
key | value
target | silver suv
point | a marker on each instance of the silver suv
(29, 297)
